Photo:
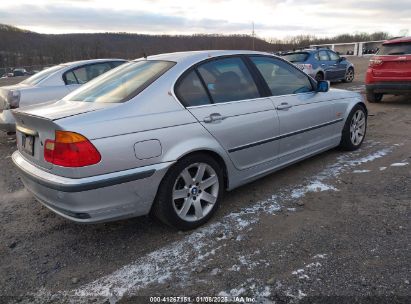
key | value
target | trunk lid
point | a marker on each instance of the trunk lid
(396, 67)
(393, 62)
(38, 123)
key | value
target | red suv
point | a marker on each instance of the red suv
(389, 71)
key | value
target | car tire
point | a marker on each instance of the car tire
(349, 75)
(188, 201)
(319, 77)
(354, 130)
(374, 97)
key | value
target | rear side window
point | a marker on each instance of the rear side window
(228, 79)
(88, 72)
(395, 49)
(70, 78)
(123, 83)
(281, 77)
(296, 57)
(323, 55)
(191, 91)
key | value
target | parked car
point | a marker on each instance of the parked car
(323, 64)
(389, 71)
(168, 134)
(19, 72)
(50, 84)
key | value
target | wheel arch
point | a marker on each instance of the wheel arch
(216, 156)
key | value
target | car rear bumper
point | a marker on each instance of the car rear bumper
(389, 87)
(94, 199)
(7, 122)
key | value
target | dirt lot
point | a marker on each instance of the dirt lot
(332, 229)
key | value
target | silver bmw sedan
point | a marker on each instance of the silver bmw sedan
(168, 134)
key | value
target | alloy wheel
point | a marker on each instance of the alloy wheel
(349, 76)
(195, 192)
(357, 127)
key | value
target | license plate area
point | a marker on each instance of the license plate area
(27, 144)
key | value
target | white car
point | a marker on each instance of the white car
(51, 84)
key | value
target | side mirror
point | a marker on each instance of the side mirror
(323, 86)
(342, 59)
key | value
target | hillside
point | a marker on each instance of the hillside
(24, 48)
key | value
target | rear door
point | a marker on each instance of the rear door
(306, 117)
(395, 62)
(327, 65)
(224, 97)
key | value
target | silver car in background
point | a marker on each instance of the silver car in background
(168, 134)
(50, 85)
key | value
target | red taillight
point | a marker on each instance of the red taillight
(375, 62)
(70, 149)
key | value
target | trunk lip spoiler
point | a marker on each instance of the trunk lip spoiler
(26, 131)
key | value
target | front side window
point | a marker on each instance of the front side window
(281, 77)
(333, 56)
(323, 55)
(191, 91)
(228, 79)
(122, 83)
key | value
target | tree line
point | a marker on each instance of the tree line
(20, 48)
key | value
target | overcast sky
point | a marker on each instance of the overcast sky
(273, 18)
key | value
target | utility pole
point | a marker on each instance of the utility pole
(253, 35)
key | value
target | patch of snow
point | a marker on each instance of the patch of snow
(399, 164)
(320, 256)
(383, 168)
(176, 260)
(315, 186)
(361, 171)
(291, 209)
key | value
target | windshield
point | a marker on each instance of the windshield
(395, 49)
(36, 78)
(122, 83)
(296, 57)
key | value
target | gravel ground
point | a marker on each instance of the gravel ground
(331, 229)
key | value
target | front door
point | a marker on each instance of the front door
(340, 65)
(306, 117)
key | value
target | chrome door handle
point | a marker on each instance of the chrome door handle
(284, 106)
(214, 117)
(322, 64)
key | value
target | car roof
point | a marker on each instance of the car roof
(398, 40)
(80, 62)
(308, 51)
(196, 56)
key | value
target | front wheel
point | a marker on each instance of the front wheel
(354, 130)
(190, 192)
(349, 75)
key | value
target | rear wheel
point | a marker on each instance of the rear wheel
(190, 192)
(319, 76)
(349, 75)
(354, 130)
(374, 97)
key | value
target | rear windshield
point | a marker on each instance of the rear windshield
(395, 49)
(296, 57)
(36, 78)
(122, 83)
